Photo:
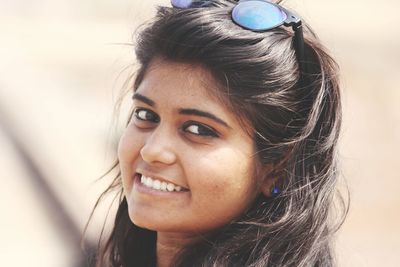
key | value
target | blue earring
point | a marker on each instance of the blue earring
(275, 191)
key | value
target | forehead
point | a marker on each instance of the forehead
(180, 82)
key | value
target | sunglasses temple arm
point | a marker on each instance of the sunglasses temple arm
(299, 47)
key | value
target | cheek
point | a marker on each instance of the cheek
(128, 146)
(128, 151)
(228, 164)
(222, 187)
(226, 174)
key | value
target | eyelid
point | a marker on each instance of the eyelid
(138, 109)
(210, 132)
(213, 133)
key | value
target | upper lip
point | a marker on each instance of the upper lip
(158, 177)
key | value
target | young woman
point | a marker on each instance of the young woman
(229, 157)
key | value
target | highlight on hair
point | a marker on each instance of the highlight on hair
(295, 126)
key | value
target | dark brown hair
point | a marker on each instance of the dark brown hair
(295, 126)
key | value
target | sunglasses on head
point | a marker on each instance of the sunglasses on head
(258, 16)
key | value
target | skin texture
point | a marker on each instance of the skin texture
(214, 161)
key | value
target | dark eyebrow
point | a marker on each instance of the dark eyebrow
(144, 99)
(196, 112)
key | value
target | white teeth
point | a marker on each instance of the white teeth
(170, 187)
(148, 182)
(158, 185)
(164, 186)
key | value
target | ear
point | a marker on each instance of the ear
(269, 177)
(272, 174)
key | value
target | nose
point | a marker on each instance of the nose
(158, 148)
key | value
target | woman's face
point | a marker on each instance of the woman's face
(187, 165)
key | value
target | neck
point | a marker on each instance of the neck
(168, 245)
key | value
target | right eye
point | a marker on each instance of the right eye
(146, 115)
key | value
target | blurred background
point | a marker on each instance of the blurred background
(62, 65)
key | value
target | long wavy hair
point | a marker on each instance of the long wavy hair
(295, 124)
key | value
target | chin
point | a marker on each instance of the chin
(158, 225)
(149, 222)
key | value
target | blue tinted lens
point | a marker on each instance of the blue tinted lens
(181, 3)
(190, 3)
(258, 15)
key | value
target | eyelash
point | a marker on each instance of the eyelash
(207, 130)
(203, 130)
(154, 119)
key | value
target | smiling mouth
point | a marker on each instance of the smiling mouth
(159, 185)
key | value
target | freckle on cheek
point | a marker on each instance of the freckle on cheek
(217, 191)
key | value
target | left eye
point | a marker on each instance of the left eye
(199, 129)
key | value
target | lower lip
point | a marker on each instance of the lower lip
(141, 188)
